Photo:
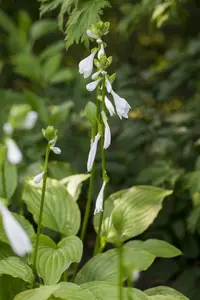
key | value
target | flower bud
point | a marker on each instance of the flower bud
(91, 112)
(49, 133)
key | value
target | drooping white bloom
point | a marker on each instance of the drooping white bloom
(30, 120)
(99, 41)
(107, 135)
(92, 85)
(93, 151)
(38, 178)
(86, 65)
(7, 128)
(56, 150)
(14, 154)
(122, 106)
(99, 201)
(108, 85)
(109, 106)
(101, 51)
(92, 34)
(17, 237)
(95, 75)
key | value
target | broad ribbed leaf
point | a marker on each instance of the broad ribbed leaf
(61, 212)
(105, 291)
(16, 268)
(10, 287)
(130, 212)
(63, 290)
(157, 248)
(164, 293)
(53, 260)
(25, 224)
(74, 183)
(5, 251)
(104, 267)
(10, 180)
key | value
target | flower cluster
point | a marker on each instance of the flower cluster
(103, 81)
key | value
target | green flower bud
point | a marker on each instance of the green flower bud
(112, 78)
(49, 133)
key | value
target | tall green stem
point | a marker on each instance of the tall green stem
(41, 207)
(4, 180)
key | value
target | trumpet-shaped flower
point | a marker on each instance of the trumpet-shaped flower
(86, 65)
(101, 51)
(99, 201)
(92, 153)
(92, 85)
(56, 150)
(108, 85)
(122, 106)
(38, 178)
(17, 237)
(109, 106)
(92, 34)
(30, 120)
(107, 135)
(7, 128)
(14, 154)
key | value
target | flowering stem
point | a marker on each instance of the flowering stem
(104, 173)
(4, 180)
(41, 207)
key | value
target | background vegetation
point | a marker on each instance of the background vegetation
(156, 47)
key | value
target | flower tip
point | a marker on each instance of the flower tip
(38, 178)
(56, 150)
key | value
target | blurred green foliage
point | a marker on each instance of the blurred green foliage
(155, 47)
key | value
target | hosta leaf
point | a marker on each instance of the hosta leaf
(16, 268)
(74, 183)
(53, 260)
(164, 293)
(61, 213)
(5, 251)
(104, 267)
(10, 287)
(105, 291)
(10, 180)
(42, 293)
(157, 248)
(130, 212)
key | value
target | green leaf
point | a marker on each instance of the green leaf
(104, 267)
(16, 268)
(10, 179)
(63, 290)
(81, 18)
(7, 23)
(59, 169)
(48, 6)
(52, 50)
(133, 210)
(157, 248)
(51, 66)
(65, 8)
(63, 75)
(25, 224)
(5, 251)
(164, 293)
(61, 213)
(53, 260)
(74, 184)
(42, 28)
(105, 291)
(10, 287)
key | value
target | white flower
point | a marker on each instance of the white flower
(99, 201)
(7, 128)
(122, 106)
(92, 153)
(38, 178)
(95, 75)
(108, 85)
(107, 135)
(17, 237)
(92, 34)
(99, 41)
(101, 51)
(56, 150)
(30, 120)
(135, 275)
(86, 65)
(92, 85)
(109, 106)
(14, 154)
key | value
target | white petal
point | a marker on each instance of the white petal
(109, 106)
(121, 105)
(38, 178)
(86, 65)
(108, 85)
(17, 237)
(14, 154)
(135, 275)
(56, 150)
(92, 34)
(99, 201)
(95, 75)
(92, 85)
(107, 136)
(101, 51)
(92, 153)
(30, 120)
(7, 128)
(99, 41)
